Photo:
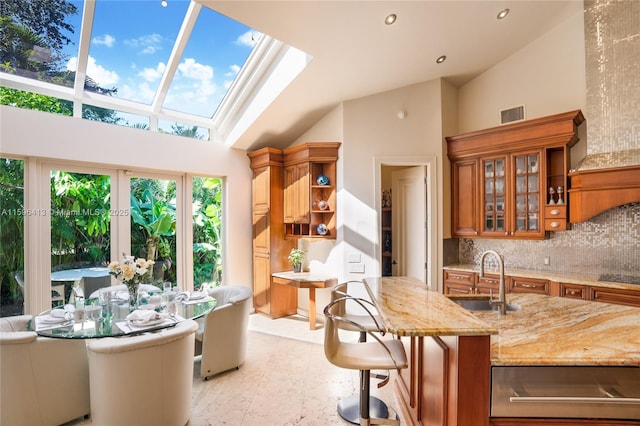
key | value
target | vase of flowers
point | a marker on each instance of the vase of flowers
(131, 272)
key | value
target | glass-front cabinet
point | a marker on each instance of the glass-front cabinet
(511, 181)
(511, 195)
(494, 195)
(527, 194)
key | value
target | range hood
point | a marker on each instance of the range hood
(603, 181)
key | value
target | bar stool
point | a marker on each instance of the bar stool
(362, 356)
(349, 406)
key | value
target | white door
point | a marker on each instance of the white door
(408, 229)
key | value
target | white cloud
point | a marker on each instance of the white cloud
(191, 69)
(141, 92)
(233, 71)
(151, 74)
(102, 76)
(147, 44)
(250, 38)
(105, 40)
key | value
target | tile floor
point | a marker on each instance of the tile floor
(286, 380)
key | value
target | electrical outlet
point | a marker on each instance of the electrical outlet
(354, 258)
(356, 268)
(547, 260)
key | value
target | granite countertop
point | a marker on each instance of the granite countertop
(408, 308)
(561, 331)
(586, 278)
(546, 330)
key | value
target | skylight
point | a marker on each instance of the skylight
(159, 68)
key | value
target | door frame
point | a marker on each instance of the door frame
(431, 231)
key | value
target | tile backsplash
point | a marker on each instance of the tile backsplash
(610, 241)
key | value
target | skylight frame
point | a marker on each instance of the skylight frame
(229, 116)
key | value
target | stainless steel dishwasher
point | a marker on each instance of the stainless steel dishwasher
(566, 392)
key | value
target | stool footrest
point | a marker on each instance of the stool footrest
(383, 377)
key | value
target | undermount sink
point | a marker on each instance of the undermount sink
(481, 305)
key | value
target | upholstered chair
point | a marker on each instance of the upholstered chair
(221, 339)
(43, 381)
(144, 379)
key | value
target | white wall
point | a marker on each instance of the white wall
(27, 133)
(547, 77)
(373, 132)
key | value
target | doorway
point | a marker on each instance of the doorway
(407, 218)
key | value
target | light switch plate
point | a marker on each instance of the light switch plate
(357, 268)
(354, 258)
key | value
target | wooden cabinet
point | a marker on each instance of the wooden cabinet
(459, 282)
(465, 193)
(464, 282)
(528, 285)
(385, 240)
(310, 202)
(448, 378)
(574, 291)
(617, 296)
(269, 246)
(501, 178)
(296, 194)
(510, 196)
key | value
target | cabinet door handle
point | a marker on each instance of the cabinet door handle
(555, 224)
(555, 212)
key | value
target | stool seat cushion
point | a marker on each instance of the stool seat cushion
(369, 355)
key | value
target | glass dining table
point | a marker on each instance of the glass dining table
(98, 321)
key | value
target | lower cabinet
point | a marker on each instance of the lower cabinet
(529, 285)
(447, 381)
(617, 296)
(467, 282)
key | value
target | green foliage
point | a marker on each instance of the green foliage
(47, 18)
(11, 226)
(34, 101)
(80, 221)
(296, 256)
(207, 225)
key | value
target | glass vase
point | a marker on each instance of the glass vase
(133, 296)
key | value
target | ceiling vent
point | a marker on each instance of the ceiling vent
(512, 114)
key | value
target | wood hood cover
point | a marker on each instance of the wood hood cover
(604, 181)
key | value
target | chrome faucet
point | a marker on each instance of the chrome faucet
(501, 303)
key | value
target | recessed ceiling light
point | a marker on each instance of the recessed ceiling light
(503, 14)
(164, 3)
(390, 19)
(441, 59)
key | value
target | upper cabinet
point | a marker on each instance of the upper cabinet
(511, 181)
(310, 189)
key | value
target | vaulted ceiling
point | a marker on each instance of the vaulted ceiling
(355, 54)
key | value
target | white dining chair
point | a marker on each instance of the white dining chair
(144, 379)
(43, 381)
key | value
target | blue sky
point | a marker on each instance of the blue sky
(131, 43)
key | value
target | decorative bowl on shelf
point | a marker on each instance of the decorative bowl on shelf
(322, 180)
(322, 229)
(323, 205)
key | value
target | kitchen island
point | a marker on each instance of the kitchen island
(449, 353)
(448, 380)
